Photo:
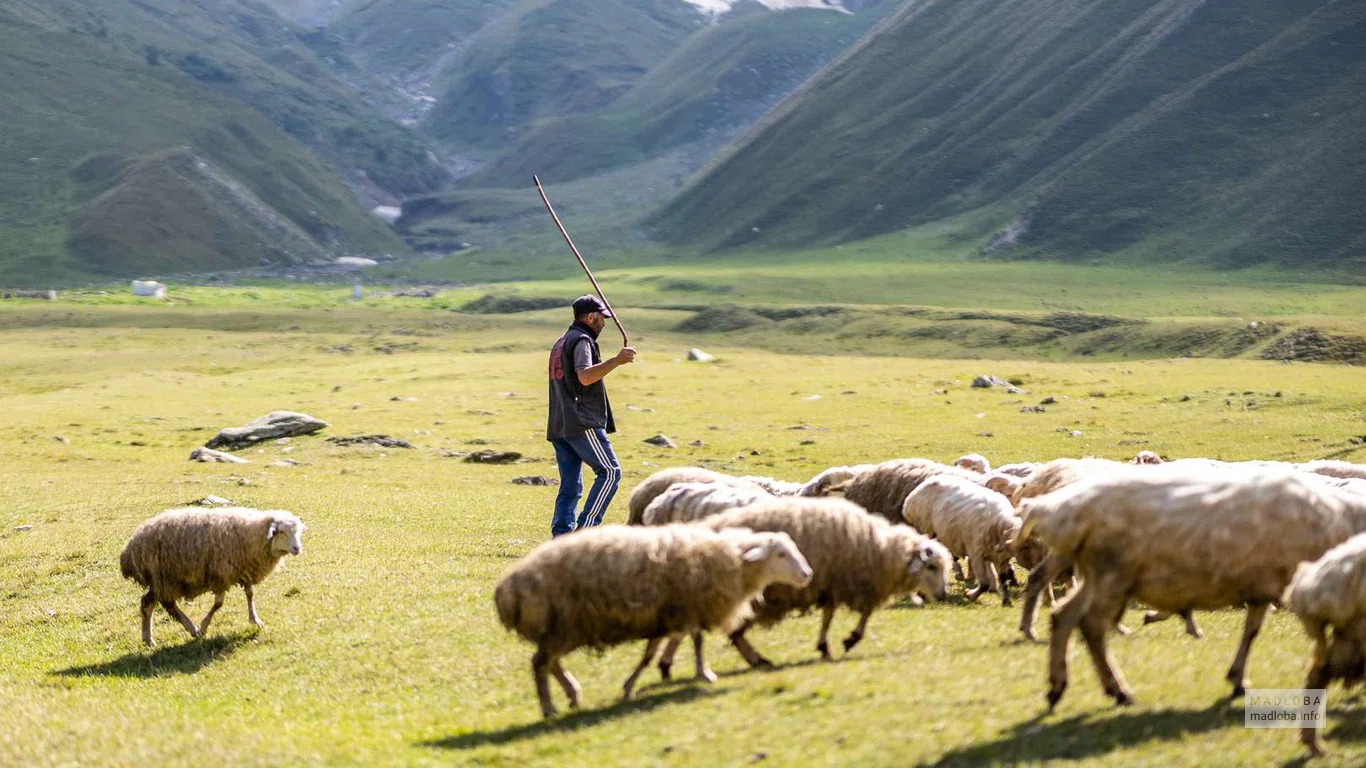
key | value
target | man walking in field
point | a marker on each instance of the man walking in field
(581, 417)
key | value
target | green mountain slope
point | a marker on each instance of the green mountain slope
(1183, 129)
(547, 58)
(411, 38)
(719, 81)
(116, 168)
(303, 83)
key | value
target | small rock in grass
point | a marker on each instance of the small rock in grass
(535, 480)
(212, 501)
(210, 456)
(661, 441)
(492, 457)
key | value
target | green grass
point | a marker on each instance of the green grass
(382, 646)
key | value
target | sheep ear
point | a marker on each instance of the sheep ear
(755, 554)
(270, 532)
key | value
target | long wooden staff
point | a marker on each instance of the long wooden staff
(625, 340)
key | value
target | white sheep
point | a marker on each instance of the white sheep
(1147, 457)
(659, 482)
(1182, 540)
(1330, 594)
(183, 553)
(1019, 469)
(1333, 468)
(971, 521)
(686, 502)
(613, 584)
(975, 462)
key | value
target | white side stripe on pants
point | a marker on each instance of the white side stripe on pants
(609, 487)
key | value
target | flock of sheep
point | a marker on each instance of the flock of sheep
(706, 552)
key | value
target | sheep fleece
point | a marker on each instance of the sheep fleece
(184, 553)
(660, 481)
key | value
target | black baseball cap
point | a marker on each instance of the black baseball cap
(588, 304)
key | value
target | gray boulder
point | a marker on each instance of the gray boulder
(210, 456)
(272, 425)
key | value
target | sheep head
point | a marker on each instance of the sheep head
(778, 556)
(927, 566)
(285, 534)
(975, 462)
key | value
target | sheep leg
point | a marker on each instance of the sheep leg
(986, 578)
(1093, 629)
(1192, 628)
(251, 607)
(857, 635)
(1063, 622)
(1319, 677)
(541, 662)
(149, 604)
(567, 682)
(737, 639)
(628, 690)
(208, 617)
(180, 616)
(1256, 614)
(704, 672)
(823, 643)
(666, 659)
(1041, 580)
(958, 570)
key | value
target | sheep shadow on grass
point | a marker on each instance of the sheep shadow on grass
(1090, 734)
(185, 659)
(574, 721)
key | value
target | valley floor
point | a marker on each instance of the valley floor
(382, 645)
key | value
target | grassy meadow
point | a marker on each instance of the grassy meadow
(382, 646)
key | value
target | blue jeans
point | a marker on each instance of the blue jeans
(571, 453)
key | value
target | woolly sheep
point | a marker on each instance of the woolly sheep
(183, 553)
(1330, 593)
(1147, 457)
(775, 487)
(859, 562)
(974, 462)
(1331, 468)
(1021, 469)
(828, 480)
(613, 584)
(971, 521)
(660, 481)
(1006, 485)
(883, 489)
(1182, 541)
(686, 502)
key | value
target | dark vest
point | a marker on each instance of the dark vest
(574, 408)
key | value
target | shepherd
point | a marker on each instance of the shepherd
(581, 417)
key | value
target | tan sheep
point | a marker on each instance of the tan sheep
(613, 584)
(1330, 594)
(859, 562)
(183, 553)
(1181, 541)
(660, 481)
(972, 522)
(686, 502)
(883, 489)
(1006, 485)
(973, 462)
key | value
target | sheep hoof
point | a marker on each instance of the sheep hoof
(1054, 696)
(824, 649)
(1123, 699)
(851, 641)
(707, 676)
(763, 663)
(665, 671)
(1030, 636)
(1150, 617)
(1122, 630)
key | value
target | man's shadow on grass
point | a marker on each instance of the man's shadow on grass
(574, 721)
(187, 658)
(1091, 734)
